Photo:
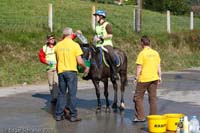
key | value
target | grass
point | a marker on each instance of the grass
(23, 29)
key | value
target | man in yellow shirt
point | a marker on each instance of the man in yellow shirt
(68, 55)
(148, 76)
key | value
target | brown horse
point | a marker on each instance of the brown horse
(100, 71)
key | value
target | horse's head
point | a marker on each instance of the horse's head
(86, 52)
(89, 51)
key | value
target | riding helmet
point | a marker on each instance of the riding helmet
(100, 13)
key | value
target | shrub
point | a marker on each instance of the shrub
(177, 7)
(154, 5)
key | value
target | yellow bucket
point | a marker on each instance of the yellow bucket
(173, 120)
(157, 123)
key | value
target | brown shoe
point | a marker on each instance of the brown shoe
(138, 120)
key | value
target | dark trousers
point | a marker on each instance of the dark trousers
(67, 80)
(138, 98)
(111, 59)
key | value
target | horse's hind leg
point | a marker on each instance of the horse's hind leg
(97, 89)
(106, 95)
(123, 79)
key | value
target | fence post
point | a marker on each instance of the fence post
(136, 19)
(168, 22)
(139, 3)
(50, 17)
(191, 21)
(93, 18)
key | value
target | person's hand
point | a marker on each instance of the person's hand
(79, 31)
(159, 81)
(50, 63)
(135, 81)
(96, 39)
(87, 69)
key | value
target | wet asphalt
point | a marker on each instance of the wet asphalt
(30, 110)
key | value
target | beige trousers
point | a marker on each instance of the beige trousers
(53, 83)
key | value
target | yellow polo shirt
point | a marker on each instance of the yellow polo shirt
(66, 52)
(149, 59)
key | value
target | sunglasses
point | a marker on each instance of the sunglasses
(51, 38)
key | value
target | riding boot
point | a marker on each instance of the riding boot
(114, 73)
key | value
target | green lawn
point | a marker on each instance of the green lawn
(24, 26)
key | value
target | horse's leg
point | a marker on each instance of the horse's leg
(114, 106)
(105, 81)
(97, 89)
(123, 79)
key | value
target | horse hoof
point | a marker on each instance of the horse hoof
(122, 106)
(114, 106)
(98, 110)
(108, 109)
(115, 110)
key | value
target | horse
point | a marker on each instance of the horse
(100, 71)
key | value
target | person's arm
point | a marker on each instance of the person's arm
(41, 55)
(138, 71)
(109, 31)
(159, 74)
(81, 63)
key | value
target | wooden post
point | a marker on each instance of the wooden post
(136, 19)
(93, 18)
(191, 21)
(139, 13)
(168, 22)
(50, 17)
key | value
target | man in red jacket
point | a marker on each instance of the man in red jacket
(47, 56)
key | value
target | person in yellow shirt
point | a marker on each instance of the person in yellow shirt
(148, 76)
(68, 55)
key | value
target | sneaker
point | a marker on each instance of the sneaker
(59, 118)
(74, 119)
(138, 120)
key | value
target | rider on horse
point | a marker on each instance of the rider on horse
(104, 38)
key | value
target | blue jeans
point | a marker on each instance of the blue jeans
(67, 80)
